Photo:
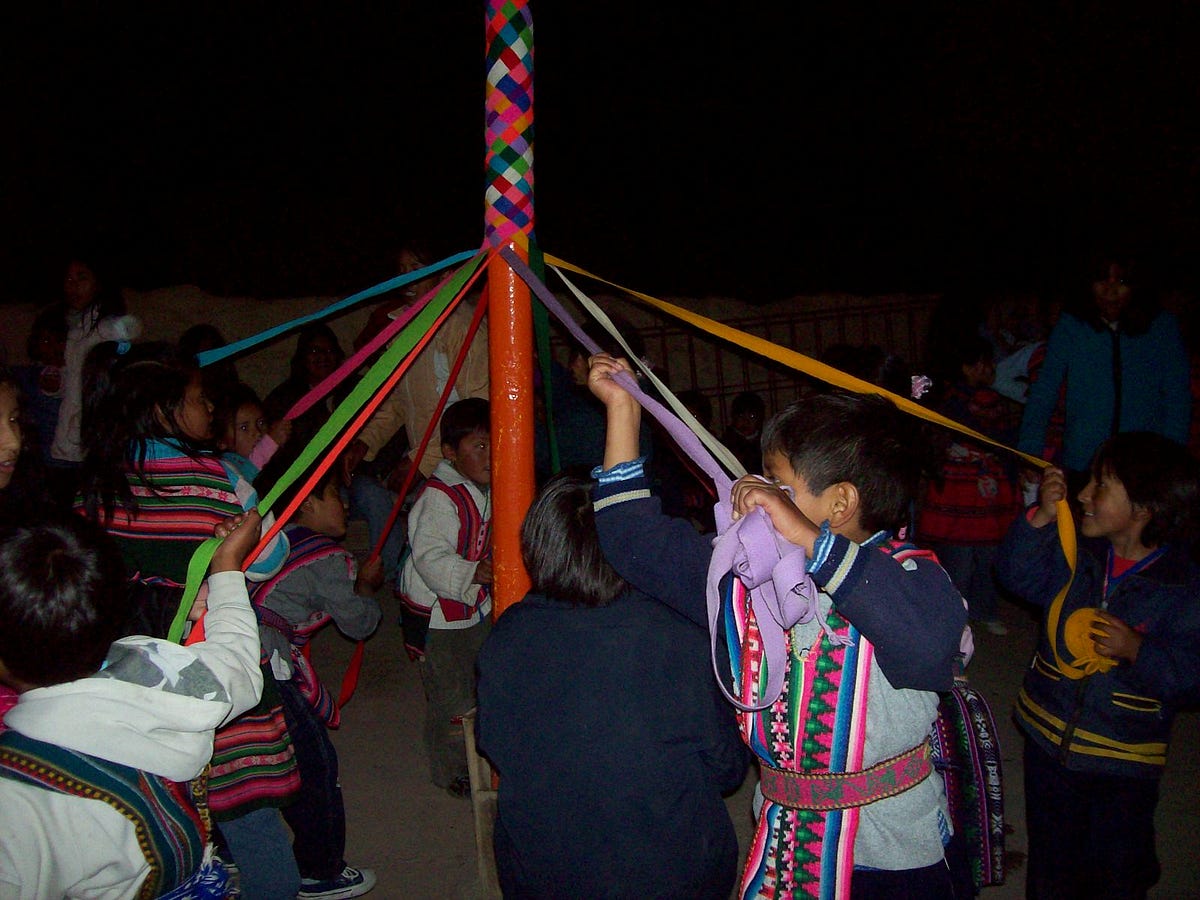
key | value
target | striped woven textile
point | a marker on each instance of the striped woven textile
(170, 829)
(253, 764)
(179, 501)
(816, 725)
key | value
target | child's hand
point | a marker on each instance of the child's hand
(1053, 489)
(200, 604)
(1114, 639)
(601, 369)
(370, 577)
(483, 572)
(280, 431)
(623, 413)
(751, 491)
(351, 457)
(239, 535)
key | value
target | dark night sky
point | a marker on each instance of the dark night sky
(700, 149)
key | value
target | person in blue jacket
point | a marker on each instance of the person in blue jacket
(1117, 657)
(1121, 365)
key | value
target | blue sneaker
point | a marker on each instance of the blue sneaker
(351, 883)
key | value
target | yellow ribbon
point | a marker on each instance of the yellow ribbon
(838, 378)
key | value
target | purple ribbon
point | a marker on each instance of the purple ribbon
(782, 593)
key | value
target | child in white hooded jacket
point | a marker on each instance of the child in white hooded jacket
(142, 708)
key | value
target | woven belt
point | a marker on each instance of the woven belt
(834, 790)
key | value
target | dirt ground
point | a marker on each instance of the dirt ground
(421, 841)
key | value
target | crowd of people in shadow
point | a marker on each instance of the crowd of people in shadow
(596, 703)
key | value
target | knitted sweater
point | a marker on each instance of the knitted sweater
(180, 501)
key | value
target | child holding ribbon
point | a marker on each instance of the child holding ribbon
(1119, 654)
(848, 805)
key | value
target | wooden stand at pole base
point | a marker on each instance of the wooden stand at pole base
(483, 804)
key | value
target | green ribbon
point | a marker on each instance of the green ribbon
(362, 393)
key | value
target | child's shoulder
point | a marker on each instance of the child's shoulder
(306, 543)
(903, 550)
(458, 490)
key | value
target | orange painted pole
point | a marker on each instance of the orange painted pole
(508, 219)
(510, 342)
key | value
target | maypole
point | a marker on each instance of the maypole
(508, 218)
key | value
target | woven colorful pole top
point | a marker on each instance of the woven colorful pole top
(508, 200)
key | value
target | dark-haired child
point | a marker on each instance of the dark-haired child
(24, 499)
(1117, 658)
(743, 436)
(23, 495)
(625, 799)
(446, 581)
(861, 675)
(153, 479)
(93, 311)
(968, 506)
(100, 787)
(319, 583)
(241, 429)
(42, 381)
(577, 419)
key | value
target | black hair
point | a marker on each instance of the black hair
(862, 439)
(108, 300)
(1159, 475)
(969, 350)
(130, 399)
(277, 466)
(62, 601)
(463, 418)
(871, 363)
(200, 337)
(1139, 310)
(698, 404)
(219, 378)
(225, 407)
(747, 402)
(305, 339)
(27, 497)
(49, 320)
(560, 546)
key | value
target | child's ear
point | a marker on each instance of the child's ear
(843, 508)
(450, 452)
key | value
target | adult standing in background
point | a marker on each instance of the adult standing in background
(377, 461)
(1123, 362)
(317, 356)
(412, 402)
(93, 311)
